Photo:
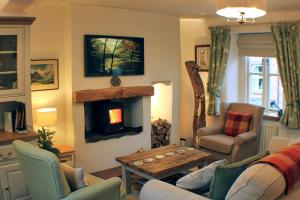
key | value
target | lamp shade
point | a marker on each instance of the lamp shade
(234, 8)
(46, 117)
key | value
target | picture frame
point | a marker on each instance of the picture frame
(44, 74)
(106, 55)
(202, 57)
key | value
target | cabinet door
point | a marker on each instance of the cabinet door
(11, 61)
(13, 182)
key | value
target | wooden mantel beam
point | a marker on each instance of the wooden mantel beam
(83, 96)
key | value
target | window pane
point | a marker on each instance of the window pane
(255, 89)
(275, 93)
(255, 64)
(273, 68)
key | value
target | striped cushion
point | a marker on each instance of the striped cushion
(237, 123)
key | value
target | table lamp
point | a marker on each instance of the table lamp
(46, 117)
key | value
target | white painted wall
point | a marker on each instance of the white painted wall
(162, 102)
(162, 63)
(47, 42)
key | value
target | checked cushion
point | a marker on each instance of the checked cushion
(237, 123)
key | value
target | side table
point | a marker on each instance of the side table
(67, 153)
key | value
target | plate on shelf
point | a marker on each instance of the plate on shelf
(170, 154)
(138, 163)
(148, 160)
(160, 156)
(190, 148)
(180, 151)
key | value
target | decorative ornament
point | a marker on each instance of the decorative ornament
(115, 81)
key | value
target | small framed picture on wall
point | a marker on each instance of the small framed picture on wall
(44, 74)
(202, 56)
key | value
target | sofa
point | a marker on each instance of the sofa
(158, 190)
(234, 149)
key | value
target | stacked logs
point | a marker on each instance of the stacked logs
(160, 133)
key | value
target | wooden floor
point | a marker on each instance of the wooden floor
(116, 172)
(109, 173)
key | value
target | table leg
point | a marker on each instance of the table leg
(126, 179)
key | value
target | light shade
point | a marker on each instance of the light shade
(46, 117)
(233, 8)
(3, 3)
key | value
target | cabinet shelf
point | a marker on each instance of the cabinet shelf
(7, 72)
(7, 52)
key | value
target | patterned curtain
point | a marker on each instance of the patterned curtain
(286, 39)
(219, 49)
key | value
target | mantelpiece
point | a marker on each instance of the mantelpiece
(83, 96)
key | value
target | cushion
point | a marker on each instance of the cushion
(237, 123)
(220, 143)
(258, 182)
(200, 179)
(226, 175)
(74, 176)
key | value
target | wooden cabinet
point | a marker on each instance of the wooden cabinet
(12, 57)
(13, 183)
(67, 154)
(14, 87)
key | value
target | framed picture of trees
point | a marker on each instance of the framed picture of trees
(113, 55)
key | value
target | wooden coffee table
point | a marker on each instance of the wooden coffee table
(160, 168)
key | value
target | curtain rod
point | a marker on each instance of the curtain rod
(253, 24)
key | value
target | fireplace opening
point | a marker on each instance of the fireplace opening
(111, 119)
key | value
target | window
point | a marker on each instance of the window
(263, 83)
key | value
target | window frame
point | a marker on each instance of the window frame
(266, 75)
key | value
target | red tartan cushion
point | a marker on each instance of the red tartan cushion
(237, 123)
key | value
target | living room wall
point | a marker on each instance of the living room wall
(47, 42)
(196, 32)
(162, 63)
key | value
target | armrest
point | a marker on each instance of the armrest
(211, 130)
(108, 189)
(158, 190)
(245, 137)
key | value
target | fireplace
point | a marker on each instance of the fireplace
(110, 119)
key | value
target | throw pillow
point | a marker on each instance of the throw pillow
(200, 179)
(75, 177)
(237, 123)
(225, 176)
(258, 182)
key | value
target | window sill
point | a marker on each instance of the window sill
(271, 117)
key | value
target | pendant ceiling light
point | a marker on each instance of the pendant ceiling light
(241, 11)
(3, 3)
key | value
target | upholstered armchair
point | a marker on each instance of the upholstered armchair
(213, 139)
(46, 180)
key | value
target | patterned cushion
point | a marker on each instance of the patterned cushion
(237, 123)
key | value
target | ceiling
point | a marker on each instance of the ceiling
(180, 8)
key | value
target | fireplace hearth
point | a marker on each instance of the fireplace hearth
(112, 119)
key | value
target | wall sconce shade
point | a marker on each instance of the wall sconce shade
(46, 117)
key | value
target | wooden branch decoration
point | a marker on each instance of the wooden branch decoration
(199, 97)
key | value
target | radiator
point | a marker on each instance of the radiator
(266, 133)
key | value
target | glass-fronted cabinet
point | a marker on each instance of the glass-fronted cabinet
(11, 61)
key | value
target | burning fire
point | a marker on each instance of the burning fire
(115, 116)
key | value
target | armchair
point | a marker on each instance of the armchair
(46, 180)
(237, 148)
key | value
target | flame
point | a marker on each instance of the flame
(115, 116)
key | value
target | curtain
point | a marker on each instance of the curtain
(219, 50)
(286, 39)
